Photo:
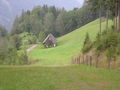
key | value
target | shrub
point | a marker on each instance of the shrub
(107, 40)
(17, 41)
(109, 43)
(23, 58)
(9, 54)
(87, 44)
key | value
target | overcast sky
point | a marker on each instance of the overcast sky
(67, 4)
(9, 9)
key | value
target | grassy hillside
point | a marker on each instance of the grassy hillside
(58, 78)
(68, 46)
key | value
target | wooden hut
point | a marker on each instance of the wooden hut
(50, 41)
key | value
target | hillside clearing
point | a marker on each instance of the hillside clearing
(68, 46)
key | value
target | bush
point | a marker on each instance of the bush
(109, 43)
(9, 54)
(107, 40)
(17, 41)
(23, 58)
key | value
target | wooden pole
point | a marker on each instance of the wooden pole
(87, 59)
(83, 59)
(109, 62)
(79, 59)
(90, 60)
(72, 60)
(96, 61)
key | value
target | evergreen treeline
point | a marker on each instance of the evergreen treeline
(53, 20)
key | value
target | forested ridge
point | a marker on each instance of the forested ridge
(53, 20)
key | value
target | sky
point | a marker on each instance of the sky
(9, 9)
(67, 4)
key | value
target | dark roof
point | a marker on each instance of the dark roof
(51, 38)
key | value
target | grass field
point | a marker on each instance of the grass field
(54, 77)
(58, 78)
(68, 46)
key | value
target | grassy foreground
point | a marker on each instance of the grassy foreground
(58, 78)
(68, 46)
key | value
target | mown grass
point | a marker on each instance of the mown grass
(58, 78)
(68, 46)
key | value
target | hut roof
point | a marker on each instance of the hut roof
(51, 38)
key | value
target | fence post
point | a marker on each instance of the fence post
(109, 62)
(90, 60)
(75, 60)
(83, 59)
(96, 61)
(87, 59)
(72, 60)
(79, 59)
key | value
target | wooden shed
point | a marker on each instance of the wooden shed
(50, 41)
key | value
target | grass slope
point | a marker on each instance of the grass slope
(68, 46)
(58, 78)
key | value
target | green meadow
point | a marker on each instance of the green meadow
(53, 70)
(58, 78)
(68, 46)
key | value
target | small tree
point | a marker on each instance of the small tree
(17, 41)
(87, 44)
(111, 55)
(42, 36)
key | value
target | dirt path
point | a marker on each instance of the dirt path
(31, 48)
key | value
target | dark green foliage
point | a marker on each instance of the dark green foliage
(118, 50)
(87, 44)
(3, 31)
(23, 58)
(52, 20)
(28, 38)
(109, 43)
(107, 40)
(16, 41)
(42, 36)
(111, 53)
(9, 54)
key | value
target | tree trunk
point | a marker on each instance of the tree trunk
(100, 21)
(119, 15)
(114, 27)
(107, 16)
(116, 14)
